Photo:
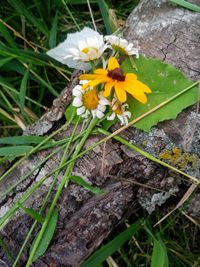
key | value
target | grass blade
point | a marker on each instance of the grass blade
(16, 151)
(103, 253)
(159, 256)
(22, 93)
(23, 140)
(187, 5)
(4, 61)
(110, 26)
(33, 214)
(80, 2)
(45, 83)
(43, 245)
(53, 32)
(80, 181)
(6, 115)
(6, 34)
(22, 10)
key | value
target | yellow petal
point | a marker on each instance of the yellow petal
(131, 77)
(108, 87)
(137, 85)
(101, 72)
(88, 76)
(120, 92)
(141, 98)
(142, 87)
(113, 63)
(135, 91)
(92, 83)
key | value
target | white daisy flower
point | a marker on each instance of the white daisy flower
(89, 101)
(121, 45)
(79, 48)
(119, 110)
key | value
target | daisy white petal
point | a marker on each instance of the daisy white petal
(100, 114)
(127, 114)
(81, 110)
(111, 117)
(123, 42)
(77, 102)
(89, 101)
(104, 101)
(121, 45)
(77, 93)
(101, 108)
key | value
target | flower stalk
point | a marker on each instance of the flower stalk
(65, 180)
(149, 156)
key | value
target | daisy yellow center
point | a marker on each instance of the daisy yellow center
(119, 49)
(87, 50)
(90, 99)
(116, 74)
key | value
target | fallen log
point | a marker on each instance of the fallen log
(161, 30)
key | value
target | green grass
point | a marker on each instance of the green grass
(29, 81)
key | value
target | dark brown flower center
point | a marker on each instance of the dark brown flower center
(116, 74)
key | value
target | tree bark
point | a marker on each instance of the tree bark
(161, 30)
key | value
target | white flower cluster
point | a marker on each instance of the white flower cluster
(87, 45)
(77, 51)
(90, 102)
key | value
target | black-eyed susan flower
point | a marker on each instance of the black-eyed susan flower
(89, 101)
(79, 48)
(122, 45)
(119, 111)
(113, 77)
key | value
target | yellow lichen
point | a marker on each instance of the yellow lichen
(179, 158)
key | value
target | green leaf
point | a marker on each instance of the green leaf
(80, 181)
(186, 5)
(48, 235)
(14, 151)
(165, 82)
(159, 257)
(68, 115)
(23, 140)
(32, 213)
(22, 93)
(104, 252)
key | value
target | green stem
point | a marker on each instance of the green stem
(69, 141)
(149, 156)
(57, 143)
(64, 181)
(34, 150)
(6, 217)
(29, 173)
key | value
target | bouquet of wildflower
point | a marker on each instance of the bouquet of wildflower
(103, 92)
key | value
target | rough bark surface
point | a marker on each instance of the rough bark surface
(160, 30)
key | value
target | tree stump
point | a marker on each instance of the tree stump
(161, 30)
